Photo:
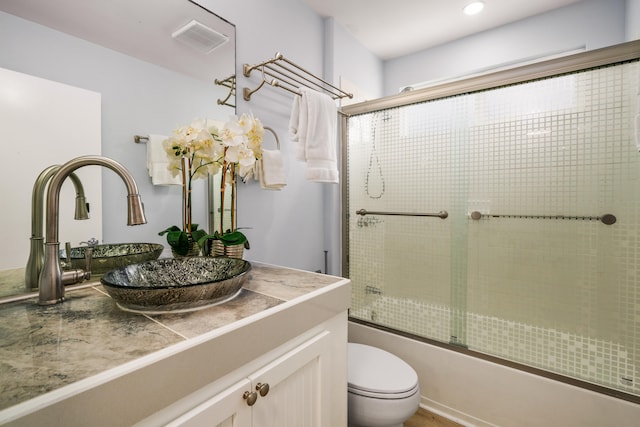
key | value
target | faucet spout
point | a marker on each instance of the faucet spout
(51, 281)
(36, 251)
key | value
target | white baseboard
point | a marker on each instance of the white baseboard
(451, 414)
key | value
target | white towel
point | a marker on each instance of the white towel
(157, 162)
(271, 170)
(313, 125)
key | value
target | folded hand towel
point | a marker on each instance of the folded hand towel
(298, 124)
(313, 125)
(157, 162)
(271, 170)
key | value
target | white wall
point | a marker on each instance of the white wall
(633, 20)
(353, 68)
(346, 58)
(33, 110)
(591, 24)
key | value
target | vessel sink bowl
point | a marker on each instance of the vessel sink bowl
(176, 284)
(109, 256)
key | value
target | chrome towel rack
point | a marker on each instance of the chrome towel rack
(441, 214)
(230, 83)
(607, 219)
(288, 75)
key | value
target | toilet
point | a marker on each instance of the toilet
(383, 389)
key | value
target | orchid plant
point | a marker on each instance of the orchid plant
(202, 148)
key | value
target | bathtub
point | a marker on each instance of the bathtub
(478, 392)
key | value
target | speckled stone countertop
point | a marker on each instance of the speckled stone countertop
(45, 348)
(11, 282)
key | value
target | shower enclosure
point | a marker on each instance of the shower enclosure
(500, 216)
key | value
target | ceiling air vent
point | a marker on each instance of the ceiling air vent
(199, 36)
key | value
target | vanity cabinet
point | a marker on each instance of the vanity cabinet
(287, 392)
(288, 331)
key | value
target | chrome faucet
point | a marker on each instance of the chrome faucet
(92, 242)
(52, 279)
(36, 252)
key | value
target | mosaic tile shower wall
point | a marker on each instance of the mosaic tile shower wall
(598, 361)
(538, 278)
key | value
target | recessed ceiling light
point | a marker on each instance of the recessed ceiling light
(473, 8)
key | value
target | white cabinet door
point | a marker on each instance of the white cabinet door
(296, 395)
(226, 409)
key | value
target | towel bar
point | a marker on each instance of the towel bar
(289, 78)
(230, 83)
(274, 134)
(441, 214)
(607, 219)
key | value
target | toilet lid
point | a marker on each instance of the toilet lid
(374, 370)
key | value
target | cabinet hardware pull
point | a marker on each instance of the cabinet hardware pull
(250, 397)
(263, 389)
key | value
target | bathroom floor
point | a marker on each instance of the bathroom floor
(424, 418)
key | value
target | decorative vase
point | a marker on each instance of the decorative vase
(231, 251)
(194, 249)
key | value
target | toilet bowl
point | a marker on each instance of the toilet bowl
(383, 389)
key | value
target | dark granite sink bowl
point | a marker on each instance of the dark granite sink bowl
(176, 284)
(111, 255)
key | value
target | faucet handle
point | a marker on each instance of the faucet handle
(72, 276)
(91, 242)
(88, 256)
(67, 252)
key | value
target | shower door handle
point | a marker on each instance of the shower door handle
(441, 214)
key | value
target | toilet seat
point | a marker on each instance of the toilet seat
(373, 372)
(389, 396)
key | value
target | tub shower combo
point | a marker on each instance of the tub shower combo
(500, 216)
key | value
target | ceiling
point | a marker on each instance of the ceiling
(137, 28)
(392, 28)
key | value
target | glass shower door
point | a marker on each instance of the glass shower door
(553, 257)
(538, 259)
(406, 166)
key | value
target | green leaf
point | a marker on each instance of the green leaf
(233, 238)
(172, 228)
(179, 240)
(229, 238)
